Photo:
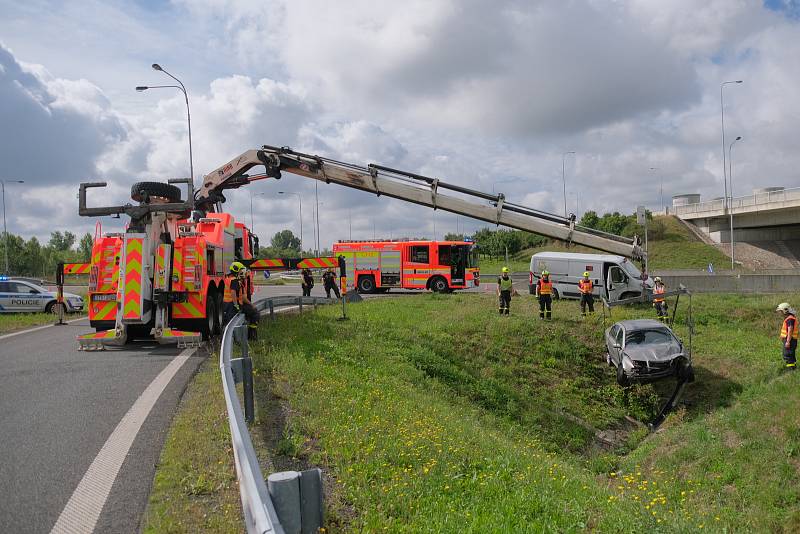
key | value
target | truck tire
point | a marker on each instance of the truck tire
(438, 285)
(142, 190)
(366, 284)
(218, 315)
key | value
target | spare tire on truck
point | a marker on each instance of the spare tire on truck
(143, 190)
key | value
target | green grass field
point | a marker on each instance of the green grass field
(432, 413)
(677, 249)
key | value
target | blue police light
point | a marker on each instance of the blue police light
(3, 277)
(467, 239)
(266, 275)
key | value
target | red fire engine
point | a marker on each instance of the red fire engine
(436, 265)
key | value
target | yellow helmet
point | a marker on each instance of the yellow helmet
(236, 267)
(506, 270)
(545, 273)
(586, 274)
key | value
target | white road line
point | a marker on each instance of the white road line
(28, 331)
(83, 509)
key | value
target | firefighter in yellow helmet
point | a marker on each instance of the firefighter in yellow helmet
(231, 299)
(544, 292)
(504, 288)
(587, 298)
(788, 334)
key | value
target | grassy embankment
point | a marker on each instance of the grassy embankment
(676, 249)
(449, 418)
(11, 322)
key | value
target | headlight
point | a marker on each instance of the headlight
(627, 364)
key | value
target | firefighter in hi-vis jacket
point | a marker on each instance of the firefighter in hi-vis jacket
(788, 335)
(504, 288)
(587, 299)
(544, 292)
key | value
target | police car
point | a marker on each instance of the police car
(18, 295)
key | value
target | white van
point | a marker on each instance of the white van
(614, 277)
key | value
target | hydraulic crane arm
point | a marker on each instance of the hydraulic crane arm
(409, 187)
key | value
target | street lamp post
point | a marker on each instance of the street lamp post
(182, 88)
(564, 177)
(300, 198)
(660, 187)
(316, 213)
(252, 223)
(730, 206)
(5, 231)
(722, 114)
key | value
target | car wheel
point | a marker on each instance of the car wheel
(622, 380)
(55, 308)
(439, 285)
(366, 284)
(556, 296)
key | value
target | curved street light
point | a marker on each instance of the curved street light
(182, 89)
(300, 198)
(730, 177)
(722, 113)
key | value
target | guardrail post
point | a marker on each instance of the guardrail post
(311, 501)
(284, 488)
(271, 309)
(247, 383)
(300, 302)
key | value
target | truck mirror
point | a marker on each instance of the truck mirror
(342, 267)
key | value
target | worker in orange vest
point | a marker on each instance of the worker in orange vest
(788, 334)
(544, 292)
(587, 299)
(658, 302)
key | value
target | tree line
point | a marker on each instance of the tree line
(32, 258)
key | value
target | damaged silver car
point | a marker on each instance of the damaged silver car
(646, 350)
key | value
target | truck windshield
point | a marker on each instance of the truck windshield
(631, 269)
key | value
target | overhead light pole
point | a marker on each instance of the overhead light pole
(722, 115)
(181, 88)
(660, 187)
(730, 206)
(300, 198)
(564, 177)
(5, 231)
(252, 223)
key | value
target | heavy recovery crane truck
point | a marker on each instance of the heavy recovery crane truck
(164, 275)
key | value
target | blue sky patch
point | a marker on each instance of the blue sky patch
(789, 8)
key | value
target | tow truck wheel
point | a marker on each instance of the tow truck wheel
(366, 284)
(439, 285)
(218, 315)
(142, 190)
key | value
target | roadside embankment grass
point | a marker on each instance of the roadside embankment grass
(195, 487)
(12, 322)
(433, 413)
(677, 248)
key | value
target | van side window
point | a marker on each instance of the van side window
(420, 254)
(616, 275)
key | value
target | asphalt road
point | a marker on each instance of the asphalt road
(58, 406)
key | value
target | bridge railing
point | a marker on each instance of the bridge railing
(740, 203)
(275, 507)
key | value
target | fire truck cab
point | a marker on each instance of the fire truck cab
(436, 265)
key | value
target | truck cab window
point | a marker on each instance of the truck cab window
(420, 254)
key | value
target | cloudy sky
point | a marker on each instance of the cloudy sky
(485, 94)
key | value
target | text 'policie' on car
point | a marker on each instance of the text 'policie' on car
(645, 350)
(23, 296)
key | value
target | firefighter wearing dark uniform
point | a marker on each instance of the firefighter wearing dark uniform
(658, 302)
(788, 334)
(231, 299)
(251, 314)
(544, 292)
(587, 299)
(504, 284)
(329, 283)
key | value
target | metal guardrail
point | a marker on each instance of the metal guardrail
(261, 514)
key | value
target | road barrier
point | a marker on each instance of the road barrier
(291, 501)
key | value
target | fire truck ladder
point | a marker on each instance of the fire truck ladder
(409, 187)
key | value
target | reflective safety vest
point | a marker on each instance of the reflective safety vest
(545, 287)
(228, 295)
(505, 283)
(585, 286)
(658, 290)
(785, 327)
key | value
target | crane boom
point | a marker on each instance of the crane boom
(409, 187)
